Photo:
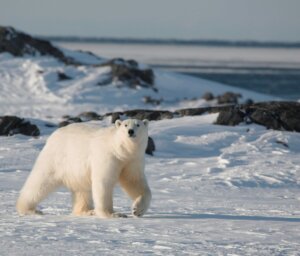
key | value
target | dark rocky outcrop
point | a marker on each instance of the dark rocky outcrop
(152, 101)
(61, 76)
(10, 125)
(129, 74)
(19, 44)
(89, 116)
(192, 111)
(151, 115)
(229, 97)
(141, 114)
(208, 96)
(150, 146)
(201, 110)
(276, 115)
(126, 72)
(273, 115)
(148, 114)
(232, 116)
(226, 98)
(70, 120)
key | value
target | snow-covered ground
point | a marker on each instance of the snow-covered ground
(217, 190)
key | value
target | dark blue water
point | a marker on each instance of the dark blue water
(284, 83)
(280, 82)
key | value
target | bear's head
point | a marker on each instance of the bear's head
(133, 128)
(131, 138)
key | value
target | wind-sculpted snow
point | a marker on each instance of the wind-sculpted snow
(244, 156)
(217, 190)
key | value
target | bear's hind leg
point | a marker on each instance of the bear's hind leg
(33, 192)
(82, 203)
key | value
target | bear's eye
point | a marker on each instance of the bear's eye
(138, 125)
(126, 125)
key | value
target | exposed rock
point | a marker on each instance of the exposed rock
(265, 117)
(208, 96)
(225, 98)
(229, 97)
(19, 44)
(82, 117)
(150, 100)
(148, 114)
(249, 102)
(273, 115)
(150, 146)
(192, 111)
(129, 74)
(282, 143)
(115, 116)
(63, 123)
(10, 125)
(276, 115)
(202, 110)
(70, 120)
(62, 76)
(89, 116)
(232, 117)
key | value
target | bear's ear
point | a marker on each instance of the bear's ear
(146, 122)
(118, 123)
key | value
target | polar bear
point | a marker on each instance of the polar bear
(90, 161)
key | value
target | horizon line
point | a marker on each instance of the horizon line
(174, 41)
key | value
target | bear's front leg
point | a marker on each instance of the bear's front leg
(134, 182)
(103, 200)
(141, 204)
(102, 192)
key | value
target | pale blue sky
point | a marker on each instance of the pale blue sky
(276, 20)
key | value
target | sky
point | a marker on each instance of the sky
(262, 20)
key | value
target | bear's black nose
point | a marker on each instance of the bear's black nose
(130, 132)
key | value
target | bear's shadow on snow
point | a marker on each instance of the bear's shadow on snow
(192, 216)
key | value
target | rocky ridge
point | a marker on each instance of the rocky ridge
(126, 72)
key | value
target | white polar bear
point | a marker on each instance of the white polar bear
(89, 161)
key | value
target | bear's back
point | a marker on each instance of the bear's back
(82, 130)
(79, 129)
(76, 135)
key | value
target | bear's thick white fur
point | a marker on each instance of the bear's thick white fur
(89, 161)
